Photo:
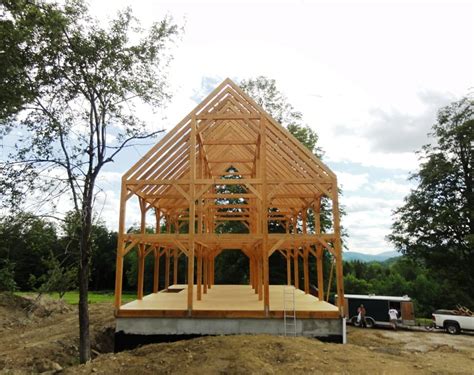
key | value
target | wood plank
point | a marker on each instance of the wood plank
(230, 142)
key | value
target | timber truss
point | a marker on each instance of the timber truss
(270, 179)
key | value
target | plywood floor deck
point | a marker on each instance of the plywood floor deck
(228, 298)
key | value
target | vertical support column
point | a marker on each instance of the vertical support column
(141, 251)
(319, 249)
(167, 269)
(254, 273)
(319, 265)
(192, 212)
(304, 216)
(205, 272)
(248, 253)
(156, 270)
(175, 266)
(264, 213)
(296, 268)
(199, 272)
(337, 247)
(288, 255)
(259, 274)
(120, 247)
(156, 254)
(209, 256)
(212, 268)
(288, 267)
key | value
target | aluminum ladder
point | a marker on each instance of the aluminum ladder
(289, 311)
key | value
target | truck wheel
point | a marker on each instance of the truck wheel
(370, 322)
(452, 328)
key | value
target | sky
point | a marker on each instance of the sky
(368, 77)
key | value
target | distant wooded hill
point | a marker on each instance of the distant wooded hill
(382, 257)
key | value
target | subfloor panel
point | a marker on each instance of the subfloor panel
(230, 298)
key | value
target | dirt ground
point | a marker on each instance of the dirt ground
(45, 340)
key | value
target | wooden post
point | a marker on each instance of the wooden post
(288, 267)
(337, 247)
(120, 247)
(305, 253)
(296, 268)
(319, 249)
(213, 273)
(259, 281)
(192, 212)
(175, 266)
(205, 273)
(141, 270)
(141, 251)
(199, 272)
(264, 213)
(167, 269)
(319, 265)
(255, 272)
(156, 270)
(156, 254)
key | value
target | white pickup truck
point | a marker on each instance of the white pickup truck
(453, 323)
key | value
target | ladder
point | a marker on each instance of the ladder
(289, 313)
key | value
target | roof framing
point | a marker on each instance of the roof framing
(229, 140)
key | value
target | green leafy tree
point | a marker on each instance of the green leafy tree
(58, 276)
(7, 276)
(435, 226)
(25, 241)
(104, 252)
(76, 105)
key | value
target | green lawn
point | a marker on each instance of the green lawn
(94, 297)
(423, 321)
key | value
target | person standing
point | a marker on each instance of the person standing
(393, 314)
(361, 316)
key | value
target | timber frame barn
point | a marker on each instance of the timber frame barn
(229, 140)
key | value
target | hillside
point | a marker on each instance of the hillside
(44, 340)
(382, 257)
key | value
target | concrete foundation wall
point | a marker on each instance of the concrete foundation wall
(227, 326)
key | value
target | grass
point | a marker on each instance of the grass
(423, 321)
(94, 297)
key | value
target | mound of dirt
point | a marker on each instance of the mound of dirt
(19, 310)
(369, 351)
(46, 339)
(50, 344)
(260, 354)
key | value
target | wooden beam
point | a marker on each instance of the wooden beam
(228, 116)
(229, 142)
(175, 266)
(338, 248)
(264, 213)
(192, 214)
(199, 272)
(156, 271)
(167, 269)
(120, 248)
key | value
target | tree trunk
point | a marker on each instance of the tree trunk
(84, 270)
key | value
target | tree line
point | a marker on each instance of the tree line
(39, 255)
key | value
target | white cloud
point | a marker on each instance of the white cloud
(395, 131)
(368, 222)
(351, 181)
(391, 187)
